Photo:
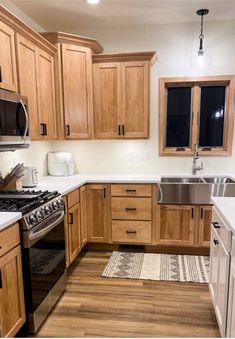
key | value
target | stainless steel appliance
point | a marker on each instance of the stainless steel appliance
(30, 177)
(194, 190)
(43, 250)
(14, 121)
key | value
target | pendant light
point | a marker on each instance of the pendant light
(201, 12)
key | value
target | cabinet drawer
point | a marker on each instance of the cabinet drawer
(131, 208)
(222, 230)
(73, 198)
(138, 232)
(9, 238)
(131, 190)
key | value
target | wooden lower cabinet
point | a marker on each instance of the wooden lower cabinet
(83, 216)
(12, 308)
(176, 225)
(74, 238)
(205, 215)
(98, 214)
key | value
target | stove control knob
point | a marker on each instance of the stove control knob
(39, 215)
(47, 210)
(32, 219)
(55, 205)
(61, 202)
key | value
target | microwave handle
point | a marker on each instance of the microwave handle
(26, 118)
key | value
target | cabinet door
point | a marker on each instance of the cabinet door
(28, 75)
(205, 226)
(11, 291)
(46, 95)
(135, 99)
(77, 90)
(8, 78)
(214, 266)
(107, 100)
(83, 216)
(176, 225)
(74, 232)
(231, 302)
(98, 213)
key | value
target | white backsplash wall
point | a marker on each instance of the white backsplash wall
(176, 46)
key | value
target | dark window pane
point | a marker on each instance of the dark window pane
(212, 116)
(178, 116)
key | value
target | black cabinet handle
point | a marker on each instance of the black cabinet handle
(0, 279)
(131, 232)
(123, 129)
(104, 192)
(0, 73)
(216, 242)
(67, 129)
(128, 191)
(45, 129)
(119, 129)
(130, 209)
(192, 213)
(202, 213)
(215, 224)
(71, 218)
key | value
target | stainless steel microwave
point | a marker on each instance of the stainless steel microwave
(14, 121)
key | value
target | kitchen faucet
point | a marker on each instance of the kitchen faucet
(196, 167)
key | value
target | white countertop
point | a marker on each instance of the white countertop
(64, 185)
(226, 209)
(8, 218)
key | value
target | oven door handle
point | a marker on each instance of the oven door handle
(36, 236)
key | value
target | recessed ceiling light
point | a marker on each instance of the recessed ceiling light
(93, 2)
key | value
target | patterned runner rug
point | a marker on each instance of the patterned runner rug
(153, 266)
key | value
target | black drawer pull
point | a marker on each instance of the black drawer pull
(67, 130)
(119, 129)
(71, 218)
(0, 279)
(130, 190)
(131, 232)
(130, 209)
(216, 242)
(215, 224)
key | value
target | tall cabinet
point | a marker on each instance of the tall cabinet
(74, 84)
(121, 85)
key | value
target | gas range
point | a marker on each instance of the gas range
(36, 206)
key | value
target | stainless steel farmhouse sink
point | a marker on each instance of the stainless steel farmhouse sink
(190, 190)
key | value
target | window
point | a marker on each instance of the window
(196, 111)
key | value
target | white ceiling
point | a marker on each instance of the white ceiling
(70, 15)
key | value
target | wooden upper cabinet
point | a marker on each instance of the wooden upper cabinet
(74, 92)
(36, 81)
(135, 99)
(8, 77)
(46, 95)
(107, 100)
(121, 94)
(77, 89)
(27, 75)
(98, 214)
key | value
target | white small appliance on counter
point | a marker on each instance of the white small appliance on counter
(30, 178)
(60, 163)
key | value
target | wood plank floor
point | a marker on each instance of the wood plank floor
(101, 307)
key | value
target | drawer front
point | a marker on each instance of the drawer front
(222, 230)
(131, 208)
(73, 198)
(131, 190)
(9, 238)
(138, 232)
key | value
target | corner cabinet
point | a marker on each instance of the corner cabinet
(12, 307)
(98, 213)
(8, 77)
(121, 85)
(36, 81)
(74, 84)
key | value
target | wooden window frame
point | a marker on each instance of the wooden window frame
(196, 83)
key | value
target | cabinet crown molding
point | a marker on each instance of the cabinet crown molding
(133, 56)
(20, 27)
(62, 37)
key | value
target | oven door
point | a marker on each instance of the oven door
(43, 259)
